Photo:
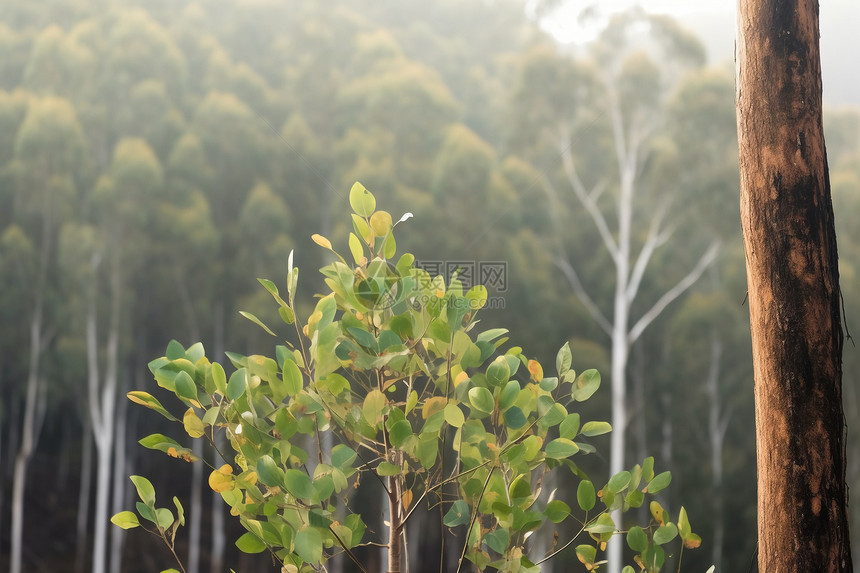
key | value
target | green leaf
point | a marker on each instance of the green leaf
(521, 487)
(586, 553)
(636, 539)
(514, 418)
(665, 534)
(684, 524)
(146, 399)
(185, 385)
(374, 403)
(125, 519)
(220, 378)
(603, 524)
(557, 511)
(268, 472)
(299, 484)
(355, 248)
(454, 415)
(388, 469)
(648, 469)
(508, 395)
(411, 401)
(659, 483)
(569, 427)
(491, 335)
(145, 511)
(458, 514)
(586, 385)
(481, 399)
(497, 540)
(145, 491)
(180, 512)
(256, 321)
(236, 386)
(292, 378)
(400, 431)
(174, 351)
(361, 200)
(498, 372)
(308, 544)
(163, 517)
(162, 443)
(342, 456)
(619, 481)
(585, 495)
(596, 428)
(561, 448)
(563, 360)
(250, 543)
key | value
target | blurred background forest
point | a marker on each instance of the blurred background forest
(157, 156)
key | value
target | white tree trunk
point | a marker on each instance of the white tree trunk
(717, 426)
(28, 440)
(121, 471)
(102, 403)
(629, 271)
(195, 509)
(219, 540)
(84, 492)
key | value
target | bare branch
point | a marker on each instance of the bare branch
(589, 304)
(674, 292)
(588, 199)
(656, 238)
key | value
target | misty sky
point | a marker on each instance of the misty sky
(714, 22)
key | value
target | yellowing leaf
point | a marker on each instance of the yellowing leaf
(433, 405)
(460, 378)
(657, 512)
(220, 481)
(536, 370)
(406, 498)
(693, 541)
(381, 223)
(321, 241)
(193, 425)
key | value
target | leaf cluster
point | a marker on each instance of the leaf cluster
(393, 365)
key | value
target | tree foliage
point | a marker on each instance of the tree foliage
(391, 363)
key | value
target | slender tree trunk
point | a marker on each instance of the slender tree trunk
(121, 471)
(794, 297)
(102, 401)
(28, 439)
(195, 510)
(219, 540)
(84, 492)
(717, 431)
(395, 538)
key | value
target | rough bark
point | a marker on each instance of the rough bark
(794, 296)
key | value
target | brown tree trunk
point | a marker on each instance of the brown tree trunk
(794, 296)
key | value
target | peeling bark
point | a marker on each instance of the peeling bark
(794, 297)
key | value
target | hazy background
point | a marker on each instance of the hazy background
(157, 156)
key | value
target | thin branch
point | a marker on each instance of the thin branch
(561, 259)
(573, 278)
(587, 199)
(674, 292)
(347, 550)
(656, 238)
